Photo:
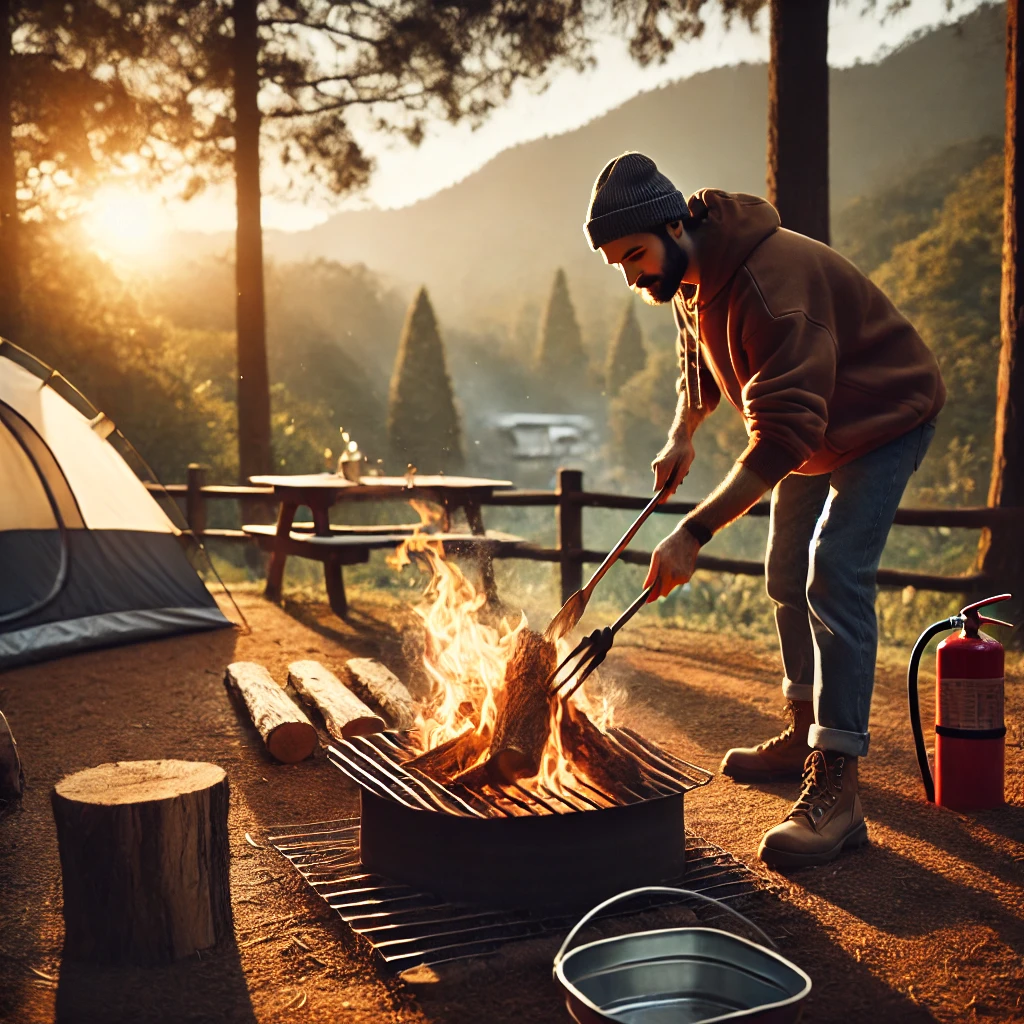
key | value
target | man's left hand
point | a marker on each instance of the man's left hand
(672, 563)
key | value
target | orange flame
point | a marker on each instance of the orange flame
(465, 660)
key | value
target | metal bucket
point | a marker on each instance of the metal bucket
(678, 975)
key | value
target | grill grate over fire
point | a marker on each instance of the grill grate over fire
(380, 765)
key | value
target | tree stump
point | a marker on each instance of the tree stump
(144, 856)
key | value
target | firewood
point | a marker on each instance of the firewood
(144, 856)
(447, 760)
(524, 716)
(373, 680)
(590, 753)
(12, 778)
(287, 732)
(345, 715)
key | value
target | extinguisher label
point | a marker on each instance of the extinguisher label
(971, 703)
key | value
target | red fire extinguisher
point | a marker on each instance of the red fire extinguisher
(969, 728)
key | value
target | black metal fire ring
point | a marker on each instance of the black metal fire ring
(562, 861)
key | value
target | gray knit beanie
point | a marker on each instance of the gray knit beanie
(631, 195)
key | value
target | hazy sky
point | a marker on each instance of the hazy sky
(405, 174)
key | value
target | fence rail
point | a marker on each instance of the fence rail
(569, 499)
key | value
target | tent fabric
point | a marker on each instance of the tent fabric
(56, 639)
(87, 556)
(108, 494)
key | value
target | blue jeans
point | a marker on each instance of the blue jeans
(825, 541)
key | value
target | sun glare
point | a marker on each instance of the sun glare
(124, 223)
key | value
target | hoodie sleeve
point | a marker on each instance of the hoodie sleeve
(792, 361)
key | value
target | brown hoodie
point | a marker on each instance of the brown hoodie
(818, 361)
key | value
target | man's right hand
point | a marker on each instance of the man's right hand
(672, 464)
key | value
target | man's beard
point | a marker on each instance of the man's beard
(657, 289)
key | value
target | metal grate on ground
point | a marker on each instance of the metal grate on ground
(407, 928)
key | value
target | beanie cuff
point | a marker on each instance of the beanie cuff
(631, 219)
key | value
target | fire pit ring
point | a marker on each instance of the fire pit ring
(551, 860)
(518, 846)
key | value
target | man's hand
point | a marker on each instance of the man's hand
(672, 463)
(672, 563)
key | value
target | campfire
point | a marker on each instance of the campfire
(501, 795)
(489, 718)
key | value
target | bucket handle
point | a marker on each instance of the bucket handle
(560, 955)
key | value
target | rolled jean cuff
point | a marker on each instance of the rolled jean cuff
(854, 744)
(797, 691)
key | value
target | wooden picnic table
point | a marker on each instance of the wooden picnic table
(338, 546)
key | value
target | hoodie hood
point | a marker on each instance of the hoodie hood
(735, 225)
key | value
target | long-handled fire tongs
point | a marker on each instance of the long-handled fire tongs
(572, 611)
(591, 650)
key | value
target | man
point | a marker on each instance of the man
(838, 394)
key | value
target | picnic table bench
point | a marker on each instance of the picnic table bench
(338, 545)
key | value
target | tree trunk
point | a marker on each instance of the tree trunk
(10, 267)
(1002, 550)
(254, 446)
(144, 858)
(798, 139)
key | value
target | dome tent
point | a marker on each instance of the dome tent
(88, 558)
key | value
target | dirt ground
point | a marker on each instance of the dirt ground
(924, 924)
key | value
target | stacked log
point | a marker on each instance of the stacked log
(344, 714)
(287, 732)
(376, 682)
(594, 756)
(524, 716)
(447, 761)
(144, 856)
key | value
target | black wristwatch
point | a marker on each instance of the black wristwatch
(698, 530)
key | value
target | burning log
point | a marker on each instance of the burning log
(591, 753)
(385, 689)
(524, 718)
(447, 761)
(345, 715)
(287, 732)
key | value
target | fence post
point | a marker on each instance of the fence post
(195, 501)
(570, 531)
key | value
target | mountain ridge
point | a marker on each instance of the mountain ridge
(486, 243)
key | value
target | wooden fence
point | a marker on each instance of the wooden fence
(569, 500)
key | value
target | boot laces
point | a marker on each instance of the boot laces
(783, 737)
(816, 787)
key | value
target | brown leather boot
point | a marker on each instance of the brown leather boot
(826, 818)
(781, 757)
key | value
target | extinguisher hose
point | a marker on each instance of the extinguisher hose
(953, 622)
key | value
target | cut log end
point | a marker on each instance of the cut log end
(137, 782)
(292, 742)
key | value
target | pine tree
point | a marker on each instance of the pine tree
(626, 354)
(423, 423)
(559, 341)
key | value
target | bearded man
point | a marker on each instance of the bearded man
(839, 395)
